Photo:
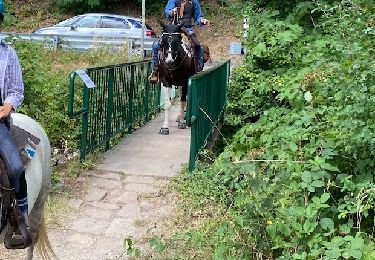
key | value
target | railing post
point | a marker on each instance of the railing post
(109, 107)
(85, 123)
(71, 94)
(147, 99)
(193, 105)
(131, 94)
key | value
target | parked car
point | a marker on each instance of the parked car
(100, 24)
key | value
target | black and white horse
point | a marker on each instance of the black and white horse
(176, 65)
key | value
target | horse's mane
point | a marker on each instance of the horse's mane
(171, 28)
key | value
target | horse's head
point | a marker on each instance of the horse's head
(171, 41)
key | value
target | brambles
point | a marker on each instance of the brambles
(297, 179)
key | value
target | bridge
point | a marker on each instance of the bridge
(113, 101)
(122, 197)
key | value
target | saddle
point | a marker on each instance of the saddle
(17, 235)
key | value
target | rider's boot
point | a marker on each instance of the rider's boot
(154, 76)
(23, 218)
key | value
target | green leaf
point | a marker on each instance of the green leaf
(317, 183)
(327, 223)
(345, 229)
(306, 177)
(325, 196)
(334, 253)
(285, 229)
(259, 49)
(285, 37)
(293, 147)
(329, 167)
(357, 243)
(356, 254)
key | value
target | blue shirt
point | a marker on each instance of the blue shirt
(11, 84)
(197, 10)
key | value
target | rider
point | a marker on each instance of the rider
(188, 10)
(11, 96)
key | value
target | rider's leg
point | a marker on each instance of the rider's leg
(155, 52)
(200, 57)
(14, 165)
(197, 47)
(21, 197)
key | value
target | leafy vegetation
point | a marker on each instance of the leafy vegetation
(46, 80)
(297, 180)
(81, 6)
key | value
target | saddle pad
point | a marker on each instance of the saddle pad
(26, 143)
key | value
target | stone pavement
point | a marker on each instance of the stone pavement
(122, 195)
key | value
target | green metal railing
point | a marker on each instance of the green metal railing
(205, 106)
(121, 100)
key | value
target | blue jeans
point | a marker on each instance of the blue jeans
(10, 155)
(155, 52)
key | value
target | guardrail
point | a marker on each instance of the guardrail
(115, 100)
(84, 42)
(205, 106)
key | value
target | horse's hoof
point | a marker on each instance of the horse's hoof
(164, 131)
(181, 125)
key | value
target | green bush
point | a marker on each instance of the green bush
(81, 6)
(300, 180)
(46, 81)
(297, 178)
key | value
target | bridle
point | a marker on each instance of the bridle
(169, 51)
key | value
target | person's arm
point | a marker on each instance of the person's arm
(15, 88)
(198, 15)
(169, 7)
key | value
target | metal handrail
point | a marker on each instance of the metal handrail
(120, 100)
(206, 102)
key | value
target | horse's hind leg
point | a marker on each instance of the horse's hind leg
(167, 105)
(181, 111)
(182, 115)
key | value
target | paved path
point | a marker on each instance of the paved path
(121, 195)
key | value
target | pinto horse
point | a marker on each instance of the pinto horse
(38, 178)
(176, 65)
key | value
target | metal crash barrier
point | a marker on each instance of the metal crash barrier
(205, 106)
(111, 100)
(84, 42)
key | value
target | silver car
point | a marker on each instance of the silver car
(100, 24)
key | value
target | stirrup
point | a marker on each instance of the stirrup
(19, 238)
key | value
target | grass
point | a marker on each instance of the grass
(57, 209)
(182, 234)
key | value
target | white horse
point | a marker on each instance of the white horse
(38, 178)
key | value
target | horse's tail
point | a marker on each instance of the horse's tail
(43, 244)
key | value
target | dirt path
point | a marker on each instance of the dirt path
(121, 196)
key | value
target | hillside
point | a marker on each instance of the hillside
(27, 16)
